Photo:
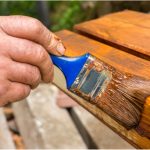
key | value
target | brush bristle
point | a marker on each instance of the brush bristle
(123, 98)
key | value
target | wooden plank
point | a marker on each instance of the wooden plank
(122, 29)
(118, 59)
(127, 29)
(133, 17)
(6, 141)
(42, 124)
(77, 45)
(144, 125)
(101, 135)
(129, 135)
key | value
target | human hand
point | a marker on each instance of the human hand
(24, 59)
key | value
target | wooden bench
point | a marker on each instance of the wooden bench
(43, 124)
(120, 39)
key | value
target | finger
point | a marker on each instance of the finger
(24, 51)
(24, 73)
(12, 91)
(17, 91)
(32, 29)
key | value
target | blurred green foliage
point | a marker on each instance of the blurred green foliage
(67, 14)
(64, 14)
(18, 8)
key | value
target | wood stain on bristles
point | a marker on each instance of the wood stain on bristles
(124, 96)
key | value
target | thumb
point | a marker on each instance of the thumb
(55, 44)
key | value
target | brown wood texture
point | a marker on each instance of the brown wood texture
(124, 95)
(78, 45)
(131, 31)
(144, 125)
(128, 30)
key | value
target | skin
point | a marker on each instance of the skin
(25, 44)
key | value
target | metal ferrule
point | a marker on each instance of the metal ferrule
(92, 79)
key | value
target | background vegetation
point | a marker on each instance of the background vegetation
(59, 15)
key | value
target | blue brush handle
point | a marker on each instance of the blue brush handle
(70, 66)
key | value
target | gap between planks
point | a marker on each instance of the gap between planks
(126, 30)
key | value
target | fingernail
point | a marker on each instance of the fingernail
(60, 48)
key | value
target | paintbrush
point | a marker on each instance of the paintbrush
(121, 95)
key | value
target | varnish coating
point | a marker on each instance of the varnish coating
(78, 45)
(126, 29)
(130, 32)
(144, 125)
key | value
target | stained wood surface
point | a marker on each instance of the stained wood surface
(144, 125)
(127, 29)
(43, 124)
(131, 30)
(6, 141)
(77, 45)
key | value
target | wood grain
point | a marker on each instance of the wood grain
(130, 31)
(123, 97)
(77, 45)
(127, 29)
(144, 125)
(130, 136)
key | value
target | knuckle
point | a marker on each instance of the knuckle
(18, 17)
(37, 26)
(24, 92)
(21, 93)
(31, 75)
(36, 75)
(42, 54)
(5, 70)
(33, 22)
(27, 49)
(4, 87)
(4, 62)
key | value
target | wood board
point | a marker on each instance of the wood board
(128, 30)
(77, 45)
